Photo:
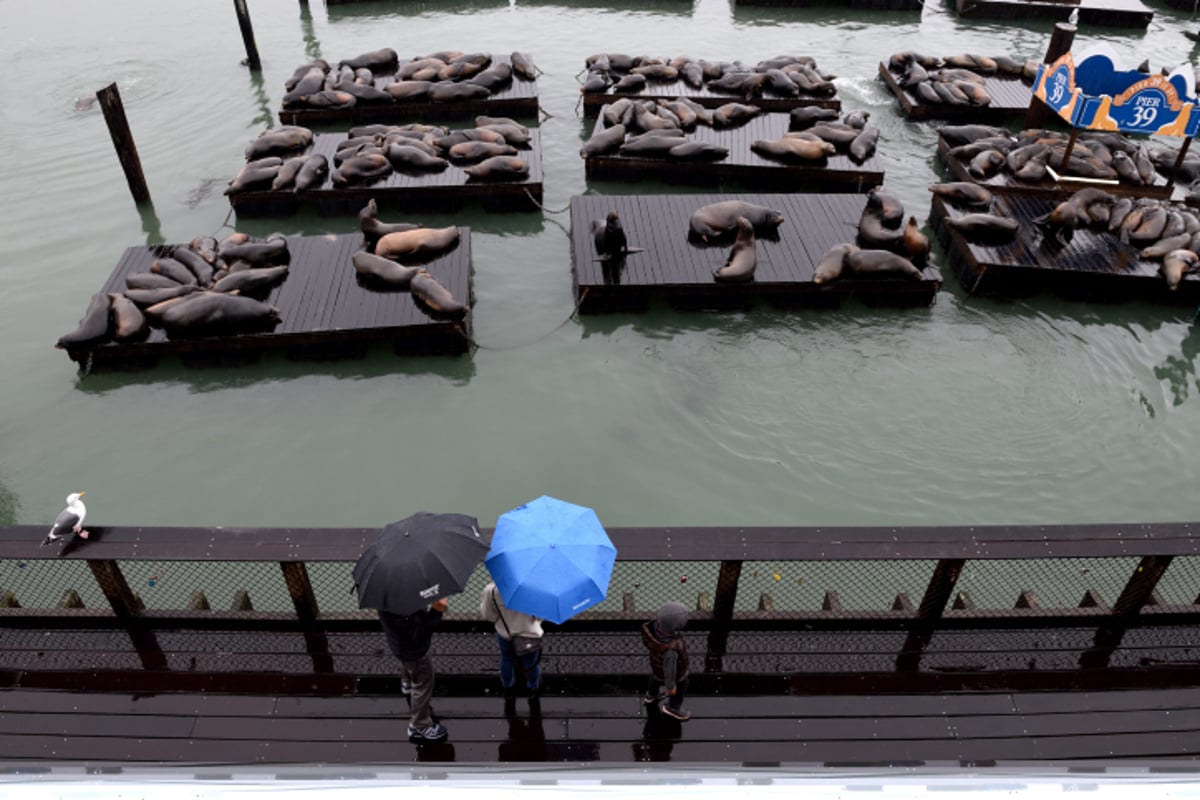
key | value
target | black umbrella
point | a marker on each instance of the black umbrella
(417, 560)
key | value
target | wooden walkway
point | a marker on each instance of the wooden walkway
(680, 271)
(969, 729)
(324, 311)
(656, 90)
(519, 99)
(447, 190)
(1105, 13)
(1004, 183)
(870, 5)
(743, 166)
(1094, 266)
(1010, 100)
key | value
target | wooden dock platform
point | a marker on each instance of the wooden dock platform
(1094, 266)
(519, 100)
(1004, 183)
(1105, 13)
(1010, 101)
(743, 166)
(680, 271)
(869, 5)
(447, 190)
(324, 311)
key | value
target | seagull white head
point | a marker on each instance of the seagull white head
(72, 499)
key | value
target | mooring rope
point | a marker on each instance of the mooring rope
(543, 208)
(574, 313)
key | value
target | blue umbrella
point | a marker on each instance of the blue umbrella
(550, 558)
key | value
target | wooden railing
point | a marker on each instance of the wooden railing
(1029, 563)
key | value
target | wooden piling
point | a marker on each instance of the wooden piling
(243, 15)
(118, 129)
(1060, 43)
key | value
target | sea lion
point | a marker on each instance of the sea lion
(452, 92)
(128, 320)
(150, 280)
(93, 326)
(372, 228)
(603, 140)
(516, 135)
(469, 152)
(499, 168)
(150, 297)
(270, 251)
(195, 264)
(914, 243)
(408, 90)
(383, 271)
(282, 142)
(630, 84)
(648, 145)
(715, 219)
(985, 229)
(743, 258)
(217, 312)
(831, 264)
(698, 151)
(733, 114)
(1175, 265)
(862, 146)
(873, 232)
(608, 235)
(384, 60)
(874, 262)
(406, 158)
(174, 270)
(887, 206)
(807, 116)
(793, 149)
(419, 245)
(312, 174)
(362, 169)
(434, 298)
(255, 175)
(248, 281)
(963, 193)
(523, 66)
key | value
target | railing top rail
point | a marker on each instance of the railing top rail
(785, 543)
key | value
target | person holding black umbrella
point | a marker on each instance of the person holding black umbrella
(408, 637)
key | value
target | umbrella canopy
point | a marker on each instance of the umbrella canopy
(417, 560)
(551, 559)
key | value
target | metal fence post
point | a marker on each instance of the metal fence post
(933, 604)
(1133, 597)
(722, 615)
(128, 607)
(295, 574)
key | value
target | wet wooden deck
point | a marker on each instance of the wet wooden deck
(679, 271)
(448, 190)
(743, 166)
(1004, 183)
(1104, 13)
(519, 99)
(1094, 266)
(324, 311)
(1010, 101)
(971, 729)
(870, 5)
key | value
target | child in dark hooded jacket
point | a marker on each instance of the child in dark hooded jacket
(668, 660)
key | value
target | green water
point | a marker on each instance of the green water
(968, 412)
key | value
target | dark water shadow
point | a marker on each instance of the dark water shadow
(265, 116)
(276, 367)
(10, 506)
(312, 46)
(1179, 371)
(151, 225)
(390, 10)
(658, 8)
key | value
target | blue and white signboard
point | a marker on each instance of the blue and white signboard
(1094, 93)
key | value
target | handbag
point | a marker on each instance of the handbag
(521, 644)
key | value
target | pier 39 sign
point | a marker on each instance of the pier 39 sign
(1092, 93)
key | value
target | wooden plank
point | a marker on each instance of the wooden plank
(1108, 13)
(839, 173)
(102, 703)
(518, 99)
(447, 190)
(321, 283)
(1094, 265)
(680, 270)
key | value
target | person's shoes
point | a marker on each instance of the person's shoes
(675, 713)
(405, 687)
(535, 703)
(432, 733)
(510, 704)
(648, 700)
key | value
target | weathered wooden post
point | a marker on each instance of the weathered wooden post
(118, 129)
(243, 15)
(1060, 44)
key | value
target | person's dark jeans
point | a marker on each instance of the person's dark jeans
(658, 686)
(531, 666)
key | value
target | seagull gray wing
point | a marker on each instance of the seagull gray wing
(64, 523)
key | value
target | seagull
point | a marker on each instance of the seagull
(69, 520)
(1074, 18)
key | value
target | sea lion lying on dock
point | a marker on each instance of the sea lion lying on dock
(716, 219)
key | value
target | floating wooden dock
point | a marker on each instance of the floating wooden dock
(1010, 100)
(657, 90)
(1106, 13)
(1093, 266)
(447, 190)
(869, 5)
(519, 99)
(680, 271)
(743, 166)
(324, 311)
(1004, 183)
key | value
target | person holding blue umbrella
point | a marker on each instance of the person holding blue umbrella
(519, 637)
